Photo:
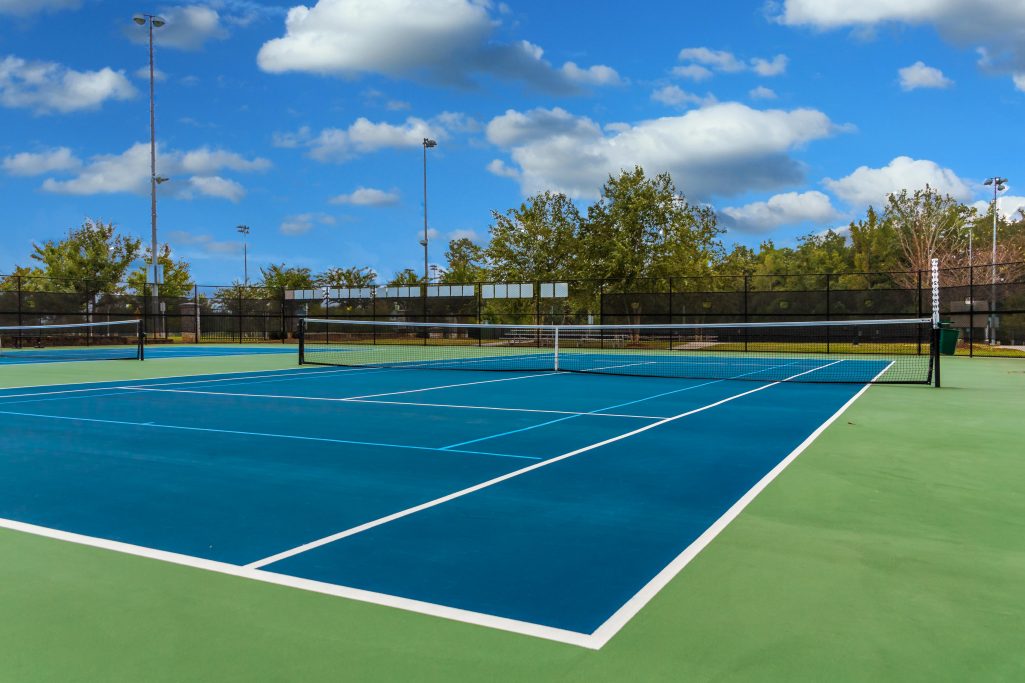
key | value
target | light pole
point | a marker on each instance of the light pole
(428, 143)
(998, 184)
(152, 22)
(244, 231)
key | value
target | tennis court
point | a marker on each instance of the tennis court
(553, 504)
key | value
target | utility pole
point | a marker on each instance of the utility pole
(999, 185)
(244, 231)
(428, 143)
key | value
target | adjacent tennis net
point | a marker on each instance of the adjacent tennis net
(115, 340)
(880, 351)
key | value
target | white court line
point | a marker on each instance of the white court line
(635, 604)
(328, 399)
(505, 477)
(463, 384)
(430, 609)
(269, 435)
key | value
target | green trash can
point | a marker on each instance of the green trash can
(948, 339)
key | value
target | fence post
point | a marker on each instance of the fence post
(195, 300)
(20, 303)
(920, 312)
(971, 310)
(284, 329)
(827, 312)
(241, 303)
(747, 294)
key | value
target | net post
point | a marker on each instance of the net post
(935, 346)
(141, 334)
(302, 341)
(555, 344)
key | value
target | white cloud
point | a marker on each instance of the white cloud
(202, 245)
(29, 164)
(595, 75)
(996, 26)
(47, 87)
(723, 149)
(368, 196)
(216, 186)
(782, 209)
(762, 93)
(694, 72)
(192, 173)
(187, 28)
(774, 67)
(464, 234)
(27, 7)
(1008, 205)
(718, 60)
(142, 73)
(918, 75)
(364, 136)
(701, 63)
(1019, 81)
(871, 186)
(447, 41)
(302, 223)
(675, 96)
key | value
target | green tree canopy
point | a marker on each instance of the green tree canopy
(405, 277)
(92, 258)
(278, 277)
(177, 275)
(643, 227)
(353, 276)
(539, 240)
(467, 262)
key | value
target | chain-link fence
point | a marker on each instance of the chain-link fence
(986, 303)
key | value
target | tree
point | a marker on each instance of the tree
(466, 262)
(928, 225)
(353, 276)
(177, 276)
(537, 241)
(276, 278)
(24, 279)
(405, 277)
(642, 227)
(93, 258)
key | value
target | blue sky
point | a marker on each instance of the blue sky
(306, 122)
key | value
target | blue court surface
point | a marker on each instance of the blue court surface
(553, 504)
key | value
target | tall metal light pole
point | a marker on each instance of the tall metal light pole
(428, 143)
(244, 231)
(152, 22)
(998, 184)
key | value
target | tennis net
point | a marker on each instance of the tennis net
(114, 340)
(878, 351)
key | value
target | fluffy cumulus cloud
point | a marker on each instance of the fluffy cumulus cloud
(447, 41)
(368, 196)
(1010, 206)
(193, 173)
(24, 8)
(782, 209)
(762, 93)
(188, 28)
(996, 27)
(722, 149)
(870, 186)
(918, 75)
(302, 223)
(701, 63)
(364, 136)
(48, 87)
(38, 163)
